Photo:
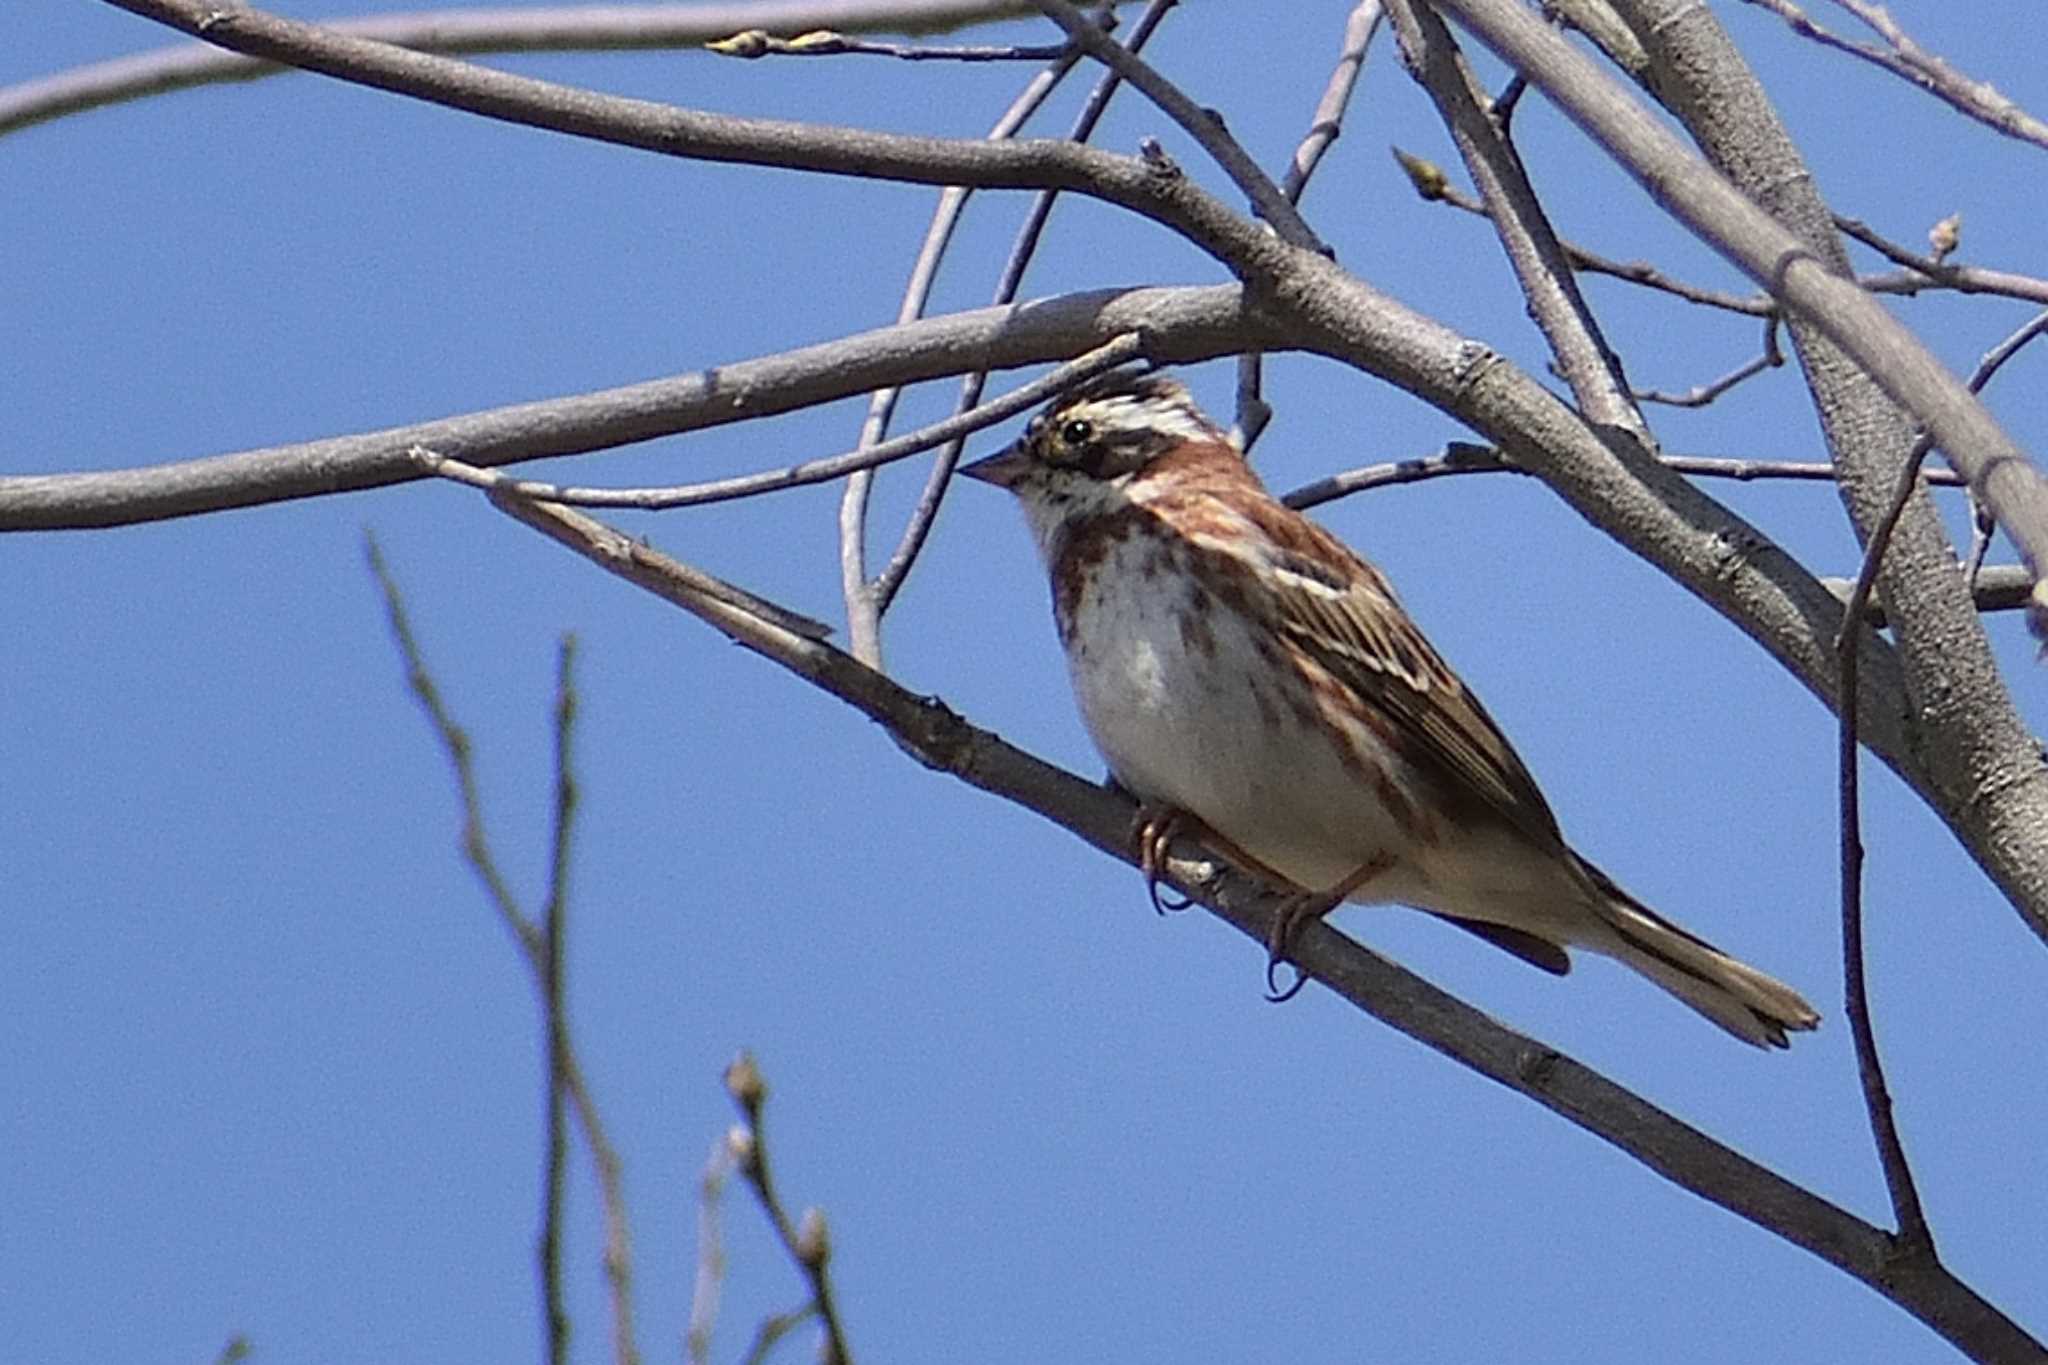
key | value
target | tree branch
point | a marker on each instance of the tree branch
(886, 584)
(1117, 351)
(941, 740)
(565, 1072)
(1173, 201)
(1177, 326)
(1205, 126)
(1541, 265)
(863, 609)
(1774, 257)
(1904, 58)
(606, 27)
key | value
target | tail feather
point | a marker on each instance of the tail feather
(1749, 1004)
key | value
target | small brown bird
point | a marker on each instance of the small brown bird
(1253, 682)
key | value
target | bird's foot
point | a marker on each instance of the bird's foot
(1296, 910)
(1159, 826)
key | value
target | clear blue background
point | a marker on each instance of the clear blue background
(269, 1063)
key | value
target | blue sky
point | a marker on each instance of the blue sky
(271, 1063)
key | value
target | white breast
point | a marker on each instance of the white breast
(1176, 694)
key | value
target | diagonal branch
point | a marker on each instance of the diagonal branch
(1173, 201)
(1205, 126)
(1177, 325)
(941, 740)
(1541, 265)
(1774, 257)
(880, 592)
(1982, 773)
(608, 28)
(1117, 351)
(863, 604)
(1912, 63)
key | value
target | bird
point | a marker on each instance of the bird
(1255, 685)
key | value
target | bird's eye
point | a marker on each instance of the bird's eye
(1077, 432)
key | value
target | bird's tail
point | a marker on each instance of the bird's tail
(1754, 1007)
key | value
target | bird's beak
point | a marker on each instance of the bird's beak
(1002, 469)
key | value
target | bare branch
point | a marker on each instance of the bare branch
(863, 611)
(1698, 397)
(564, 1070)
(806, 1240)
(1932, 272)
(1462, 457)
(710, 1278)
(885, 585)
(1252, 411)
(941, 740)
(555, 1019)
(1119, 350)
(755, 42)
(608, 27)
(1205, 126)
(1433, 186)
(1542, 268)
(1173, 201)
(2000, 818)
(1910, 62)
(1915, 1238)
(1328, 120)
(1178, 325)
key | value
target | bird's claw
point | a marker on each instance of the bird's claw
(1157, 828)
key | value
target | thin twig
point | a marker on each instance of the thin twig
(555, 1014)
(618, 1253)
(1328, 119)
(2001, 587)
(885, 585)
(1542, 267)
(1922, 274)
(1463, 457)
(1118, 351)
(823, 42)
(1205, 126)
(709, 1284)
(1770, 359)
(1433, 186)
(1252, 410)
(1913, 1233)
(1907, 60)
(571, 28)
(863, 617)
(773, 1329)
(1935, 272)
(805, 1240)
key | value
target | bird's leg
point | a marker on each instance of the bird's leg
(1298, 909)
(1159, 825)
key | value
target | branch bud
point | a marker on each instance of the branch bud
(743, 1082)
(813, 1243)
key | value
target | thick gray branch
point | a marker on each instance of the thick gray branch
(1985, 771)
(1179, 325)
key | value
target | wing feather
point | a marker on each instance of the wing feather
(1341, 612)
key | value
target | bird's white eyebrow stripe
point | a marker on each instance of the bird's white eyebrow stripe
(1124, 412)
